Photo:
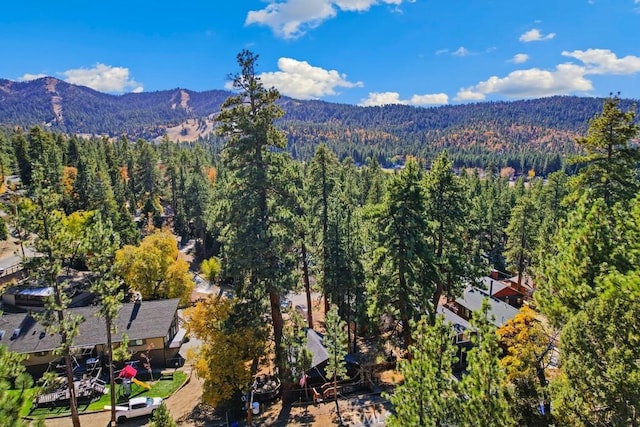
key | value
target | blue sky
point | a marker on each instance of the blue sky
(366, 52)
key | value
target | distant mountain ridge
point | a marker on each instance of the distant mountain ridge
(549, 124)
(69, 108)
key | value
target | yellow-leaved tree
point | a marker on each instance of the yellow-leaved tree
(528, 351)
(227, 351)
(155, 268)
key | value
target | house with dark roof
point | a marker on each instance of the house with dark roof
(320, 358)
(458, 313)
(151, 327)
(31, 295)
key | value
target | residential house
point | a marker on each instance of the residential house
(459, 311)
(151, 327)
(509, 290)
(30, 295)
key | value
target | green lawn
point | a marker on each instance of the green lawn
(162, 387)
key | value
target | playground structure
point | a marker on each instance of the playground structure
(127, 376)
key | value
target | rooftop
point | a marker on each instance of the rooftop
(150, 319)
(472, 298)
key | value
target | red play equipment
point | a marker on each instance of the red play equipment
(129, 373)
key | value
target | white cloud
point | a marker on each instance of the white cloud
(103, 78)
(603, 61)
(461, 51)
(469, 95)
(535, 35)
(566, 78)
(531, 83)
(293, 18)
(299, 79)
(27, 77)
(430, 99)
(441, 51)
(520, 58)
(386, 98)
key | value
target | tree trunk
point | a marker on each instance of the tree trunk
(437, 294)
(335, 391)
(112, 384)
(278, 323)
(307, 285)
(404, 317)
(64, 339)
(73, 403)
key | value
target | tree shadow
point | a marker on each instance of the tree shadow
(134, 314)
(204, 415)
(305, 418)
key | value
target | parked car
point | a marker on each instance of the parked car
(137, 407)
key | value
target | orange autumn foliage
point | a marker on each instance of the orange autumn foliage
(212, 173)
(69, 175)
(222, 360)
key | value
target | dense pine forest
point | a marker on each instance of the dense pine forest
(376, 243)
(528, 135)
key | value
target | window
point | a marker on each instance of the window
(136, 342)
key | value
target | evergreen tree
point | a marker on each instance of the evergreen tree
(584, 248)
(258, 214)
(548, 199)
(521, 236)
(611, 160)
(402, 263)
(447, 216)
(298, 358)
(57, 243)
(600, 382)
(304, 232)
(484, 396)
(372, 184)
(21, 152)
(11, 368)
(427, 396)
(102, 247)
(4, 233)
(335, 341)
(197, 200)
(322, 175)
(46, 155)
(344, 270)
(488, 218)
(162, 417)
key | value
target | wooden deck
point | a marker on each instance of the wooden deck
(86, 390)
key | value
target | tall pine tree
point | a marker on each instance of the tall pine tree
(258, 216)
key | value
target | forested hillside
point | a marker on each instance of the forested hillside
(530, 134)
(385, 251)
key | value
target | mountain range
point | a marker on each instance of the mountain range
(548, 125)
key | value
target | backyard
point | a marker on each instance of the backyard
(163, 387)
